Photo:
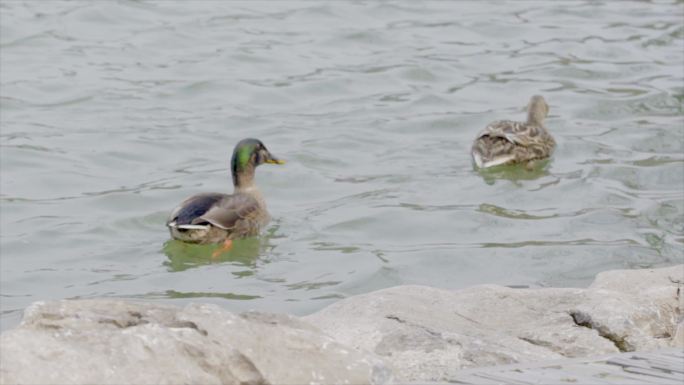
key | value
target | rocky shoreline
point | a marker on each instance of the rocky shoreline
(400, 334)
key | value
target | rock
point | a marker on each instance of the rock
(416, 333)
(636, 309)
(428, 334)
(678, 339)
(115, 342)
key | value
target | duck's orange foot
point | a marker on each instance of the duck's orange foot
(225, 246)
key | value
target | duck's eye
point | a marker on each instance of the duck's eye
(257, 157)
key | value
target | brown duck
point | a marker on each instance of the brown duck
(215, 217)
(507, 142)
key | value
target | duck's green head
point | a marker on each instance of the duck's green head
(248, 154)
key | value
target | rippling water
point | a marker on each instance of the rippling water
(114, 111)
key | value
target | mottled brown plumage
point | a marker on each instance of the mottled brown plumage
(216, 217)
(507, 142)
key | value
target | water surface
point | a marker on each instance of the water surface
(112, 112)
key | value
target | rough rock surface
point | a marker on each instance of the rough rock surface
(116, 342)
(414, 333)
(428, 334)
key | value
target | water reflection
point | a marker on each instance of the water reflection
(244, 252)
(175, 294)
(183, 256)
(231, 296)
(516, 172)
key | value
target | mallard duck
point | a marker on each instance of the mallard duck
(507, 142)
(215, 217)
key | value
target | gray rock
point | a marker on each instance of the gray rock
(635, 309)
(428, 334)
(116, 342)
(417, 333)
(678, 338)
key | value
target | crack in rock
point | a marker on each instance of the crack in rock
(395, 318)
(540, 343)
(585, 320)
(189, 325)
(137, 319)
(121, 324)
(424, 328)
(413, 338)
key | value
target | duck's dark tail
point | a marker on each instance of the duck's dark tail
(490, 151)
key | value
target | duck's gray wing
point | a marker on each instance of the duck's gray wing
(227, 212)
(518, 133)
(194, 207)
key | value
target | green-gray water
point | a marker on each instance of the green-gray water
(112, 112)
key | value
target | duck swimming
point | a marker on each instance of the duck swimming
(214, 217)
(507, 142)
